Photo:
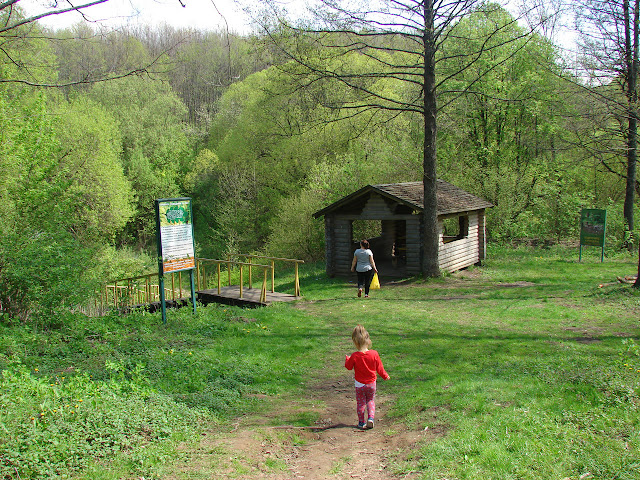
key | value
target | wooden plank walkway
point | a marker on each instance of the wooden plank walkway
(250, 296)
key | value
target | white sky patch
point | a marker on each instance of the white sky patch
(197, 14)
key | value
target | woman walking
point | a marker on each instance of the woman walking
(364, 265)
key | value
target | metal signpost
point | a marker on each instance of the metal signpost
(593, 227)
(176, 243)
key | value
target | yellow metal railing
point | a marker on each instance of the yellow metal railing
(144, 289)
(202, 275)
(272, 260)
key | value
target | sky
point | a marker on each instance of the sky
(199, 14)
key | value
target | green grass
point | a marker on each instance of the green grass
(526, 367)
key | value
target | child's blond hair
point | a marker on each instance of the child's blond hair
(360, 337)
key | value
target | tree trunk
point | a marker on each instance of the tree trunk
(631, 60)
(637, 282)
(430, 262)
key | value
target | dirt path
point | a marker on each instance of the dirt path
(332, 448)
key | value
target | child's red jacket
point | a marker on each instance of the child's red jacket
(366, 365)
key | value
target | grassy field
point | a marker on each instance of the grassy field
(526, 366)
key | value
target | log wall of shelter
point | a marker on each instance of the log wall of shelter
(401, 229)
(482, 235)
(343, 250)
(465, 252)
(414, 244)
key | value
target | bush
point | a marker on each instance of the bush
(55, 427)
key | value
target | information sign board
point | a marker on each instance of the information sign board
(176, 242)
(593, 227)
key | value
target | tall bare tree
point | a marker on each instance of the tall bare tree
(403, 42)
(609, 44)
(609, 56)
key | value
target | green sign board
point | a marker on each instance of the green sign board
(177, 249)
(593, 227)
(176, 244)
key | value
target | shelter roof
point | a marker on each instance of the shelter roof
(451, 199)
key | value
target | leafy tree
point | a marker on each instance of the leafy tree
(63, 195)
(86, 54)
(19, 33)
(156, 148)
(402, 40)
(504, 139)
(610, 43)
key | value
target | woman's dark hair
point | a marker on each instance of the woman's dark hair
(364, 243)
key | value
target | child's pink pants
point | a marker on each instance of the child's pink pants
(366, 399)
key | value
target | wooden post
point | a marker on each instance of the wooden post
(115, 294)
(297, 282)
(273, 276)
(249, 259)
(263, 292)
(147, 292)
(173, 287)
(204, 278)
(198, 274)
(180, 283)
(240, 280)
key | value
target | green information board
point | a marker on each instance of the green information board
(176, 244)
(593, 227)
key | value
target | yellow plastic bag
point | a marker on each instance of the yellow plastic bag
(375, 283)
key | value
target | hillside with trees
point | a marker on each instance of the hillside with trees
(95, 125)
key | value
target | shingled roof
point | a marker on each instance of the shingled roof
(451, 199)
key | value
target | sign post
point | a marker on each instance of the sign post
(176, 244)
(593, 227)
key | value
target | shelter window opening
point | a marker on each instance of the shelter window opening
(455, 228)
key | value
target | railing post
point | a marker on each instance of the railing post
(249, 259)
(180, 283)
(173, 287)
(198, 274)
(297, 284)
(263, 291)
(115, 294)
(240, 280)
(204, 278)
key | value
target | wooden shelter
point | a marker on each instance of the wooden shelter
(394, 213)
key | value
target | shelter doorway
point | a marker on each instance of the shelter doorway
(388, 241)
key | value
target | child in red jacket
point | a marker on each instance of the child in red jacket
(366, 364)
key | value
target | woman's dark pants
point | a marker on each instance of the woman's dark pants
(364, 280)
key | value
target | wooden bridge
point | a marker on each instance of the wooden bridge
(229, 282)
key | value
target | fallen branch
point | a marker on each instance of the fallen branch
(630, 279)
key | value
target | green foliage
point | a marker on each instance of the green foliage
(26, 54)
(64, 196)
(294, 231)
(60, 426)
(155, 146)
(502, 141)
(99, 196)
